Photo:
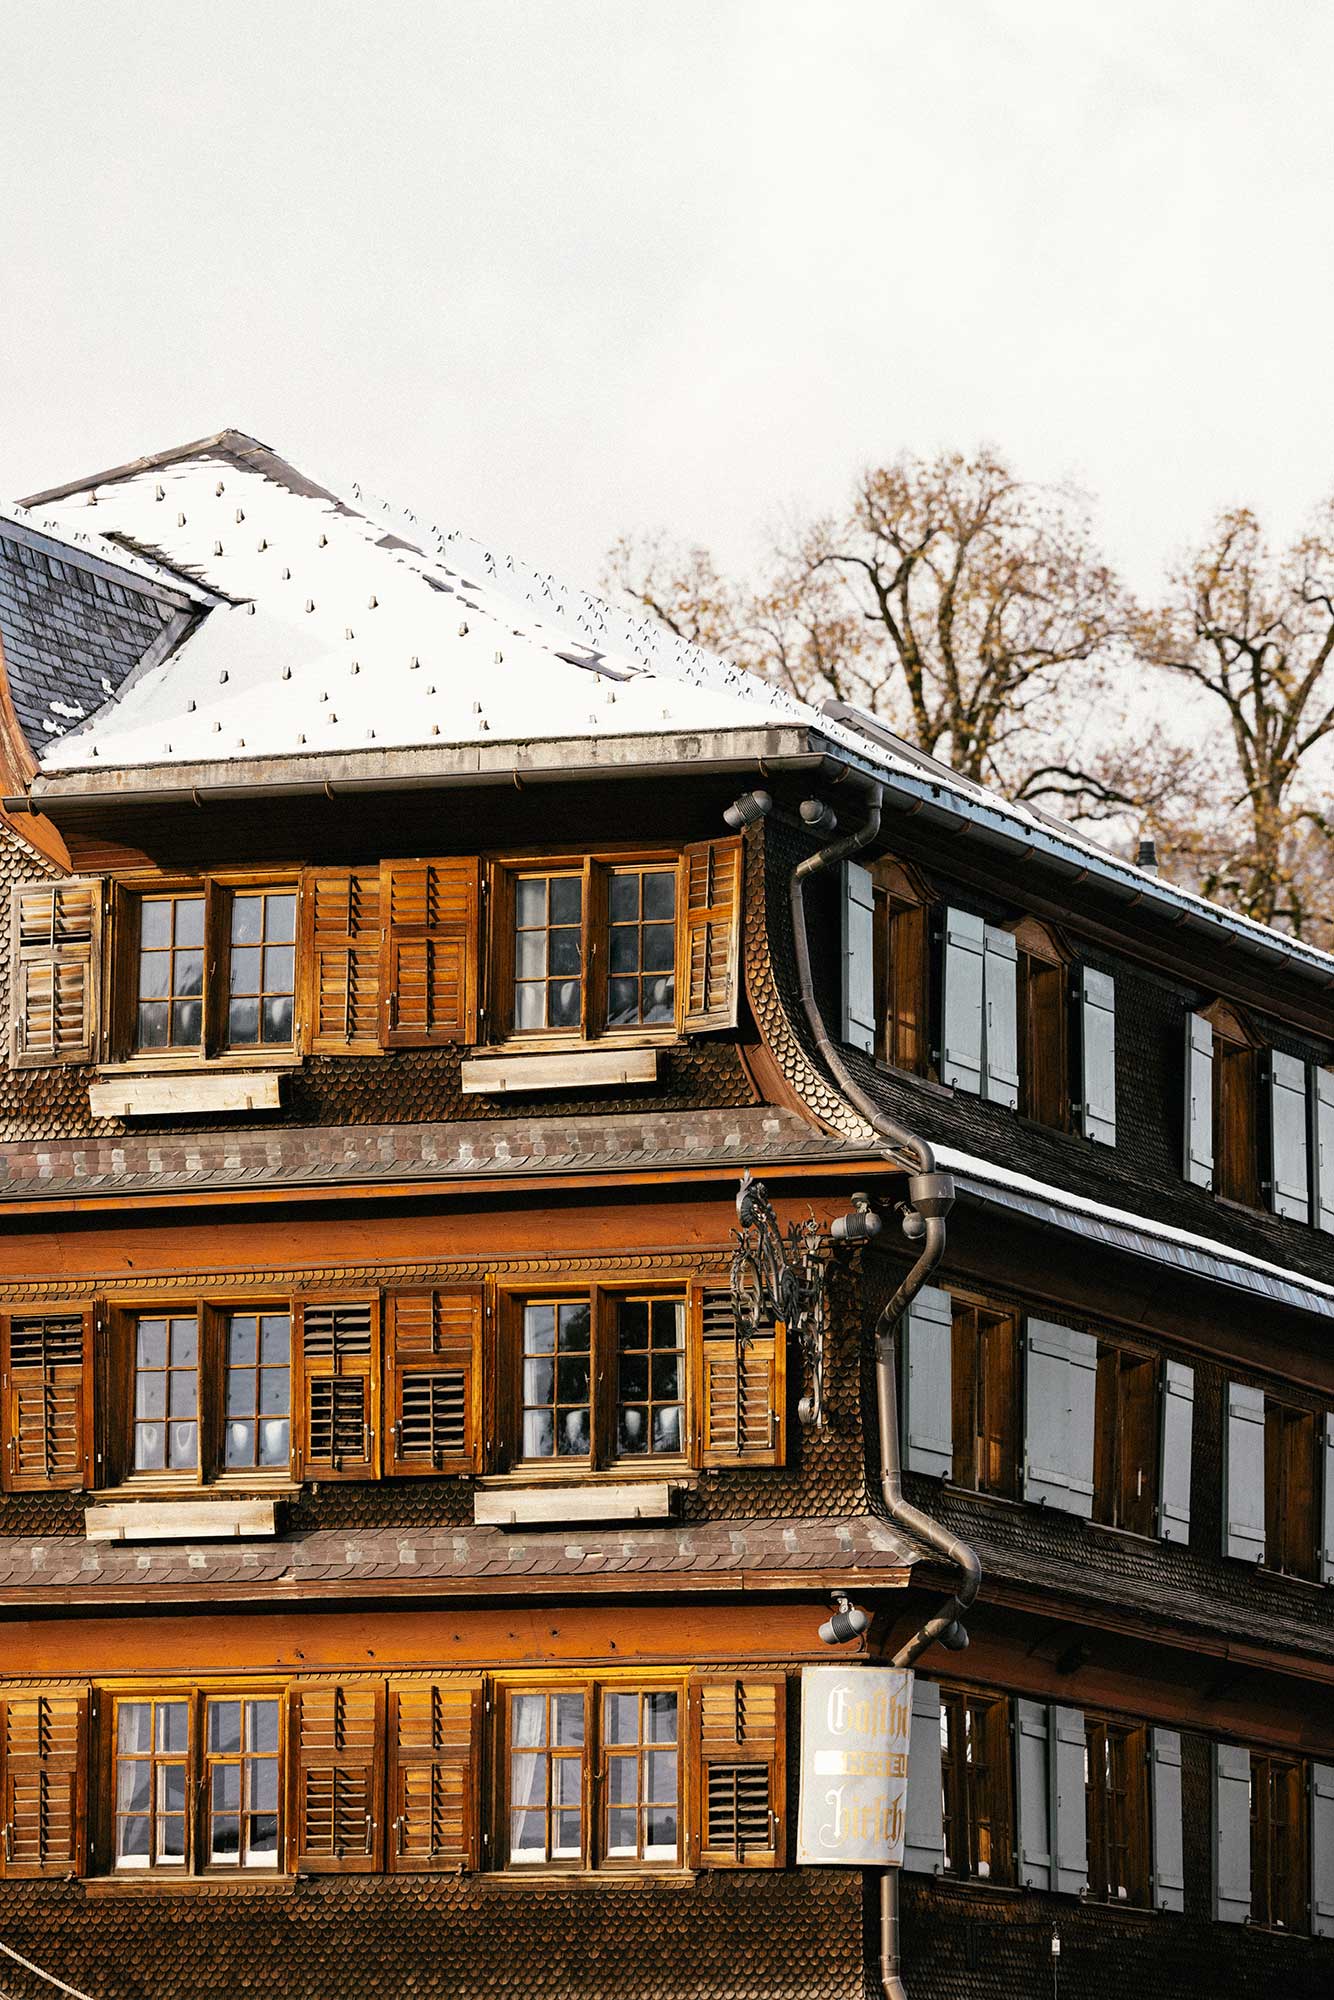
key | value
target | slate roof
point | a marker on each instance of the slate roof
(425, 1562)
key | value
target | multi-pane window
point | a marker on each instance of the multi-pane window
(262, 968)
(171, 972)
(602, 1377)
(1292, 1487)
(258, 1422)
(900, 968)
(1116, 1796)
(1125, 1450)
(641, 946)
(1236, 1076)
(548, 951)
(151, 1782)
(1278, 1843)
(975, 1783)
(555, 1740)
(1043, 983)
(241, 1781)
(985, 1387)
(166, 1394)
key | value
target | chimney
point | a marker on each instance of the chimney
(1147, 858)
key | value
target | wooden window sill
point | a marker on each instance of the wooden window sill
(188, 1885)
(593, 1503)
(179, 1062)
(170, 1093)
(590, 1065)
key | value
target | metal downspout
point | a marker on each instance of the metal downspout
(931, 1196)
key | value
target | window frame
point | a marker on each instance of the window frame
(1235, 1108)
(901, 966)
(963, 1791)
(594, 1787)
(603, 1460)
(1113, 1506)
(964, 1307)
(218, 887)
(1043, 1000)
(593, 866)
(1265, 1877)
(195, 1693)
(1283, 1449)
(1117, 1815)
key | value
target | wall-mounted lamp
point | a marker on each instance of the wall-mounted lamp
(819, 817)
(751, 806)
(846, 1621)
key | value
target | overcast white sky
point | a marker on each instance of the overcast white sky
(551, 269)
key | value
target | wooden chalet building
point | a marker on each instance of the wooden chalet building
(415, 1519)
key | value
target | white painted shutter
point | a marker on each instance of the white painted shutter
(961, 1036)
(1169, 1876)
(1232, 1833)
(1069, 1816)
(1033, 1794)
(1322, 1850)
(924, 1814)
(1244, 1474)
(1097, 1042)
(1327, 1502)
(1322, 1109)
(928, 1409)
(1174, 1461)
(1199, 1101)
(1000, 1027)
(858, 957)
(1060, 1388)
(1291, 1190)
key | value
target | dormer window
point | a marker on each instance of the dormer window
(1043, 982)
(587, 947)
(1222, 1104)
(901, 906)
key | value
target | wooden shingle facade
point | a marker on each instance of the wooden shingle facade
(416, 1515)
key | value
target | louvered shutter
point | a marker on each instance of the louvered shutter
(1033, 1793)
(1231, 1799)
(342, 960)
(858, 957)
(1174, 1462)
(1060, 1388)
(45, 1738)
(55, 932)
(924, 1814)
(1000, 1017)
(1244, 1474)
(429, 963)
(337, 1761)
(1169, 1878)
(1097, 1043)
(1199, 1148)
(433, 1347)
(1290, 1192)
(1322, 1850)
(961, 1007)
(739, 1729)
(709, 952)
(928, 1421)
(1322, 1119)
(1327, 1501)
(46, 1361)
(434, 1759)
(1069, 1815)
(741, 1387)
(337, 1361)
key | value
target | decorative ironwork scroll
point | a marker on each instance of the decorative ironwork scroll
(780, 1275)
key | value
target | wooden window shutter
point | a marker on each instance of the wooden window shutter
(55, 948)
(336, 1757)
(927, 1342)
(1033, 1793)
(1244, 1473)
(1069, 1821)
(1231, 1802)
(434, 1776)
(961, 1004)
(859, 996)
(1175, 1451)
(1322, 1850)
(1199, 1118)
(45, 1738)
(1290, 1173)
(1000, 1017)
(1169, 1875)
(1060, 1399)
(739, 1731)
(741, 1383)
(337, 1357)
(709, 949)
(1097, 1043)
(46, 1367)
(924, 1823)
(430, 960)
(341, 955)
(433, 1357)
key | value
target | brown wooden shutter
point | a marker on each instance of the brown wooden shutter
(46, 1366)
(342, 961)
(741, 1387)
(710, 947)
(45, 1740)
(55, 936)
(740, 1737)
(433, 1350)
(434, 1775)
(429, 968)
(338, 1342)
(337, 1784)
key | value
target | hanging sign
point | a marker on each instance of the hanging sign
(854, 1765)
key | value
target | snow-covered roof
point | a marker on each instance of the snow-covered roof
(335, 626)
